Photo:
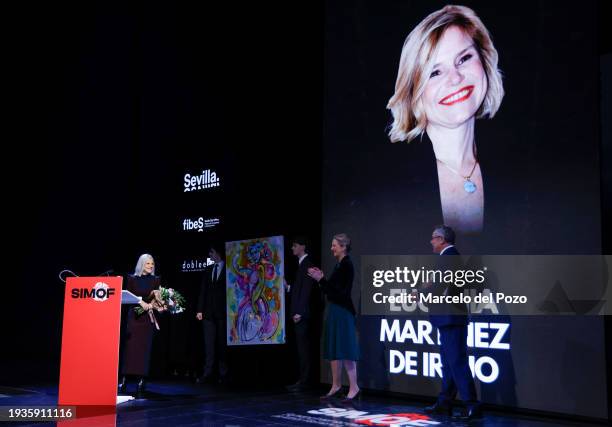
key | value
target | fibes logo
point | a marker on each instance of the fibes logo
(199, 224)
(196, 264)
(100, 292)
(207, 179)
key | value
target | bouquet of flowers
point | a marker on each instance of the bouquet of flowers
(165, 299)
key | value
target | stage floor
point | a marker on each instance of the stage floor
(169, 404)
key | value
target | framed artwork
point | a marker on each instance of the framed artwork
(255, 291)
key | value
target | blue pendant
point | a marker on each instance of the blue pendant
(469, 186)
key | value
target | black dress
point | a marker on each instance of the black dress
(139, 339)
(396, 211)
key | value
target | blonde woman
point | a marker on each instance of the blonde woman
(339, 334)
(140, 329)
(447, 78)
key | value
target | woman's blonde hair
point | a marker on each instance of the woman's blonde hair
(141, 263)
(343, 240)
(416, 64)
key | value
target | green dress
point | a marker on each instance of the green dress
(339, 332)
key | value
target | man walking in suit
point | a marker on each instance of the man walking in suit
(456, 374)
(211, 311)
(299, 303)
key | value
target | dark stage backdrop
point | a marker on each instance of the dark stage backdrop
(112, 108)
(540, 163)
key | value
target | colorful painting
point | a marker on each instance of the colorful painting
(255, 291)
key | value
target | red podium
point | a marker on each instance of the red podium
(90, 342)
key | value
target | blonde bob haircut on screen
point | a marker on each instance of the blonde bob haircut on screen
(416, 65)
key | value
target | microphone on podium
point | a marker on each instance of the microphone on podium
(62, 274)
(107, 272)
(61, 277)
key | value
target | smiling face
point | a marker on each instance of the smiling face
(337, 249)
(148, 267)
(457, 84)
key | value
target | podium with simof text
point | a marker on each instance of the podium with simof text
(90, 341)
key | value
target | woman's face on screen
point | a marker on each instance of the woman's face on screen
(457, 84)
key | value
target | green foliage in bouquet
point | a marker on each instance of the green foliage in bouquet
(165, 299)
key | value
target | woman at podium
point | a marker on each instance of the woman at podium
(140, 328)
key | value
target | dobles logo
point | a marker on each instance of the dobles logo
(100, 292)
(403, 419)
(196, 264)
(207, 179)
(199, 224)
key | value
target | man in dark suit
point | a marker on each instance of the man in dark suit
(452, 326)
(300, 312)
(212, 311)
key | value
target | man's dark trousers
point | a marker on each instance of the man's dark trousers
(456, 374)
(302, 339)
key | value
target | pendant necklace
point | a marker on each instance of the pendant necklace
(468, 185)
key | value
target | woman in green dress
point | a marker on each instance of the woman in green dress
(339, 334)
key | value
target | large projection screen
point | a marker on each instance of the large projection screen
(539, 162)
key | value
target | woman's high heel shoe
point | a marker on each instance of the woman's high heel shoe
(123, 385)
(356, 397)
(333, 395)
(140, 388)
